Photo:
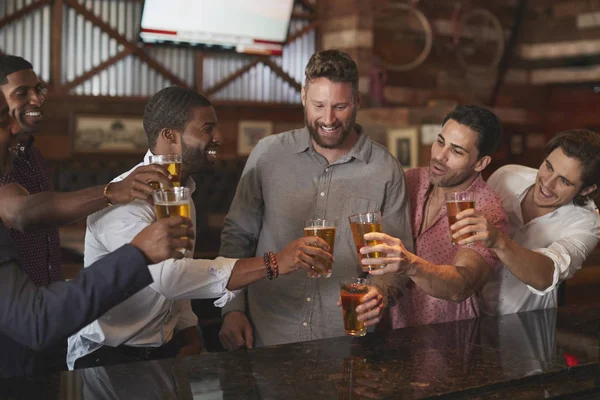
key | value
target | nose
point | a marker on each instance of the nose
(328, 117)
(216, 136)
(35, 98)
(442, 155)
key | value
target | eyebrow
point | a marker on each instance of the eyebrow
(455, 146)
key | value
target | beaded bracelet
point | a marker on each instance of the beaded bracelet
(267, 260)
(274, 264)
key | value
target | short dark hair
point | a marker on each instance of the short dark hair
(11, 64)
(583, 145)
(481, 120)
(170, 108)
(335, 65)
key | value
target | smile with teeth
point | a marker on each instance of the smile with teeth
(33, 114)
(329, 129)
(544, 192)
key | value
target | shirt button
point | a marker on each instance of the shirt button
(305, 323)
(326, 169)
(308, 299)
(322, 194)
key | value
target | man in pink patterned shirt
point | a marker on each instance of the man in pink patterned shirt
(441, 282)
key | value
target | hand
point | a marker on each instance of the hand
(236, 331)
(163, 239)
(473, 221)
(397, 259)
(137, 184)
(370, 311)
(304, 253)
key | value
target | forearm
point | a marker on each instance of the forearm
(247, 271)
(531, 268)
(51, 209)
(448, 282)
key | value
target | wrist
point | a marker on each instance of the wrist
(109, 194)
(500, 243)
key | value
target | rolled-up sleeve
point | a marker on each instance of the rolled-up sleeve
(568, 254)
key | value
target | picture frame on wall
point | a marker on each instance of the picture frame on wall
(249, 133)
(403, 143)
(98, 133)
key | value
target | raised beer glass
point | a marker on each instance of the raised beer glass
(177, 201)
(172, 162)
(325, 229)
(366, 223)
(352, 290)
(455, 203)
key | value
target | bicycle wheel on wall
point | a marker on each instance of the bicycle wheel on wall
(402, 36)
(481, 43)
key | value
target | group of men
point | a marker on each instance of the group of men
(531, 229)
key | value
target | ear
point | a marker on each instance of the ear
(358, 99)
(482, 163)
(588, 190)
(303, 96)
(169, 136)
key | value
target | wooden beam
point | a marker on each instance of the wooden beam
(199, 71)
(232, 77)
(139, 52)
(565, 49)
(302, 32)
(508, 51)
(97, 69)
(22, 12)
(282, 74)
(565, 75)
(56, 46)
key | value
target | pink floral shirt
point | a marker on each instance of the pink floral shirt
(415, 307)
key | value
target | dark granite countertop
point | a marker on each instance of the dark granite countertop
(540, 354)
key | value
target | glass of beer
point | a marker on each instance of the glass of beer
(352, 290)
(172, 162)
(168, 203)
(325, 229)
(366, 223)
(455, 203)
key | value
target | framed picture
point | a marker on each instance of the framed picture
(250, 132)
(108, 133)
(403, 143)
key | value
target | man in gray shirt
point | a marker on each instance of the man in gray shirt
(330, 169)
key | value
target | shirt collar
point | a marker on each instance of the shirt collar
(22, 148)
(361, 149)
(190, 181)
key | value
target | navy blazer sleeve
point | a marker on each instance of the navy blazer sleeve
(38, 317)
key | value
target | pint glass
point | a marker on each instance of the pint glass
(366, 223)
(325, 229)
(172, 162)
(455, 203)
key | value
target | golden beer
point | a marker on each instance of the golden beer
(360, 224)
(166, 209)
(172, 162)
(327, 233)
(455, 203)
(352, 292)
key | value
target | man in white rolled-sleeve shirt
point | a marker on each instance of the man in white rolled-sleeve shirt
(554, 224)
(176, 121)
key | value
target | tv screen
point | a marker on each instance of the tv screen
(245, 26)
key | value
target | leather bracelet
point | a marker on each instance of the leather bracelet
(105, 194)
(267, 261)
(274, 264)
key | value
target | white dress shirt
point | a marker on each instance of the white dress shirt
(150, 317)
(566, 236)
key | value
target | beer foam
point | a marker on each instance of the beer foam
(172, 203)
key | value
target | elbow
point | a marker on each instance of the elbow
(17, 222)
(542, 285)
(459, 297)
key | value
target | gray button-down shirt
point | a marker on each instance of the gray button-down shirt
(286, 182)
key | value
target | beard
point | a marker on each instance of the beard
(194, 158)
(454, 179)
(325, 142)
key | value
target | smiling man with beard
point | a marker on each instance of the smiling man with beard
(445, 279)
(554, 224)
(330, 169)
(158, 322)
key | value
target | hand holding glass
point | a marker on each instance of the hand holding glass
(352, 291)
(325, 229)
(172, 162)
(366, 223)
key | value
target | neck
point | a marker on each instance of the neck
(332, 155)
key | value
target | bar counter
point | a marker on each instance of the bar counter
(540, 354)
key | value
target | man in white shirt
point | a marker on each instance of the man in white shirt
(554, 225)
(176, 121)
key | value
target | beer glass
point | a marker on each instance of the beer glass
(325, 229)
(168, 203)
(352, 290)
(455, 203)
(172, 162)
(366, 223)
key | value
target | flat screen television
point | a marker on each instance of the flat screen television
(245, 26)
